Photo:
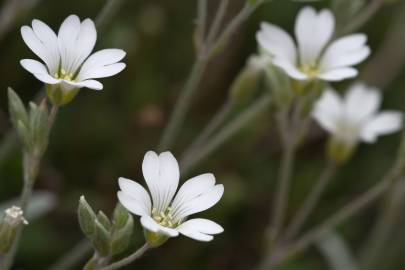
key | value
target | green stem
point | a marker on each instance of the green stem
(69, 260)
(381, 232)
(31, 166)
(183, 104)
(30, 170)
(363, 17)
(128, 260)
(339, 217)
(281, 194)
(311, 201)
(288, 140)
(213, 125)
(257, 108)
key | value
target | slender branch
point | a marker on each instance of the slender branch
(311, 201)
(362, 18)
(381, 232)
(183, 103)
(69, 260)
(339, 217)
(31, 165)
(257, 108)
(131, 258)
(213, 125)
(108, 11)
(219, 17)
(202, 19)
(283, 185)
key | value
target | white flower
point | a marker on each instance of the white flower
(356, 117)
(166, 214)
(66, 55)
(315, 56)
(14, 216)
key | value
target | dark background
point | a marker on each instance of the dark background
(103, 135)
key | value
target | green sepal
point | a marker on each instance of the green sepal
(339, 151)
(60, 97)
(103, 219)
(86, 217)
(121, 236)
(101, 239)
(154, 239)
(120, 216)
(16, 108)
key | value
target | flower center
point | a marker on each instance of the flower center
(63, 75)
(348, 131)
(311, 70)
(164, 218)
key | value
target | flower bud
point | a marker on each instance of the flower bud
(86, 218)
(103, 219)
(12, 219)
(154, 239)
(280, 86)
(122, 235)
(17, 109)
(244, 85)
(120, 216)
(60, 96)
(101, 239)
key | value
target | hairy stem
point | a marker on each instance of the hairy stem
(285, 171)
(184, 101)
(126, 261)
(257, 108)
(311, 201)
(213, 125)
(358, 204)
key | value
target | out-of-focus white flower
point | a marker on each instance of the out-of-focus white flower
(356, 117)
(66, 55)
(314, 57)
(14, 216)
(165, 215)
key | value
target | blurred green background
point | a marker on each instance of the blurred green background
(103, 135)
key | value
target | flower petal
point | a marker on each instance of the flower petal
(37, 47)
(290, 69)
(384, 123)
(50, 41)
(338, 74)
(346, 51)
(162, 177)
(200, 202)
(200, 229)
(151, 225)
(96, 65)
(313, 32)
(67, 37)
(104, 71)
(132, 204)
(328, 110)
(362, 102)
(137, 193)
(38, 70)
(192, 188)
(277, 42)
(92, 84)
(84, 44)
